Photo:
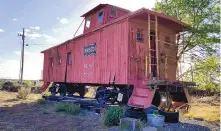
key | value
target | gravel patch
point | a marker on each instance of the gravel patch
(187, 124)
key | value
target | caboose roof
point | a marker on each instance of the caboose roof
(100, 6)
(140, 13)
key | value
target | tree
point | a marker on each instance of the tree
(203, 18)
(206, 74)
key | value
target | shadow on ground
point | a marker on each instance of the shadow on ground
(36, 117)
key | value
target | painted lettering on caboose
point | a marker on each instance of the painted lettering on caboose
(90, 50)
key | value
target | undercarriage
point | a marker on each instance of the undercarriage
(103, 94)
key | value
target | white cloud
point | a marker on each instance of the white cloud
(14, 19)
(64, 20)
(58, 18)
(55, 30)
(27, 30)
(9, 69)
(1, 30)
(17, 52)
(47, 36)
(33, 38)
(35, 28)
(32, 28)
(34, 35)
(53, 41)
(32, 66)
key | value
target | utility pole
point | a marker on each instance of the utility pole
(22, 54)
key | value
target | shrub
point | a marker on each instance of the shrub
(111, 117)
(23, 92)
(126, 125)
(36, 89)
(68, 108)
(10, 86)
(41, 101)
(27, 83)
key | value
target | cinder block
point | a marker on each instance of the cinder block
(130, 124)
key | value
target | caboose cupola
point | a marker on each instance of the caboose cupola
(101, 15)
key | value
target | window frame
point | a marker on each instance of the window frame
(113, 9)
(89, 18)
(141, 35)
(102, 16)
(69, 59)
(59, 59)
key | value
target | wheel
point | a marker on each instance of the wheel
(100, 93)
(114, 99)
(126, 94)
(53, 89)
(82, 91)
(62, 90)
(70, 93)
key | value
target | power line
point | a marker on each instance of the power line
(42, 44)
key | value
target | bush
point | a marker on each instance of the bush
(36, 90)
(10, 86)
(111, 117)
(41, 101)
(23, 92)
(27, 83)
(126, 125)
(68, 108)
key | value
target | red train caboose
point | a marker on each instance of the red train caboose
(119, 51)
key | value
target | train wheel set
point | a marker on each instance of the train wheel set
(103, 95)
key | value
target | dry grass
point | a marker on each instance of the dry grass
(9, 99)
(31, 114)
(23, 93)
(207, 108)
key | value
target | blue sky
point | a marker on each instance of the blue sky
(47, 23)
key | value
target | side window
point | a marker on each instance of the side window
(59, 59)
(88, 22)
(140, 35)
(69, 58)
(100, 16)
(51, 62)
(113, 12)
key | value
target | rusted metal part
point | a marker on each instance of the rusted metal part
(170, 83)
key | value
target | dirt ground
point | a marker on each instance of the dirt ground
(28, 115)
(207, 108)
